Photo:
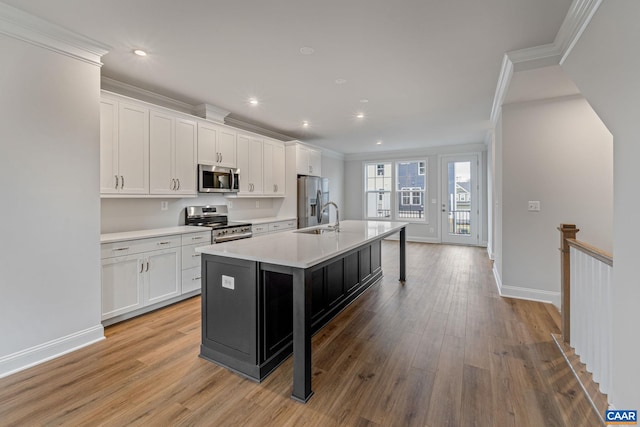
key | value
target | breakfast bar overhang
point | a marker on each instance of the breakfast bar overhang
(248, 283)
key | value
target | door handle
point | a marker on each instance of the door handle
(117, 181)
(122, 182)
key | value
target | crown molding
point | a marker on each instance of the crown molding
(31, 29)
(131, 91)
(580, 14)
(578, 17)
(251, 127)
(211, 112)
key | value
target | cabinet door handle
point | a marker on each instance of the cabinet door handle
(121, 182)
(141, 266)
(147, 266)
(220, 157)
(197, 238)
(121, 249)
(195, 255)
(117, 181)
(196, 278)
(163, 243)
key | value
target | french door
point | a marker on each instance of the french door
(459, 203)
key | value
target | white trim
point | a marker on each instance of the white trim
(577, 19)
(138, 94)
(31, 29)
(415, 239)
(41, 353)
(251, 127)
(211, 112)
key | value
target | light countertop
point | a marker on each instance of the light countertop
(292, 249)
(156, 232)
(266, 220)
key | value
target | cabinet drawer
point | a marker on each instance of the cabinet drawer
(282, 225)
(204, 238)
(190, 258)
(127, 247)
(191, 279)
(260, 229)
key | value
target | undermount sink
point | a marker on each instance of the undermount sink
(316, 230)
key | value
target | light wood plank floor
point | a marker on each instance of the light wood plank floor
(442, 350)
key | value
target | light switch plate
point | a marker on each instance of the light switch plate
(534, 206)
(164, 206)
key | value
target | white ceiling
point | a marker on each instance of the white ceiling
(429, 68)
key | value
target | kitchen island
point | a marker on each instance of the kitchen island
(262, 298)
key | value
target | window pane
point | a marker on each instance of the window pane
(410, 187)
(378, 177)
(378, 204)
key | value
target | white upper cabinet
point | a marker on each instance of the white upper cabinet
(124, 147)
(249, 151)
(216, 145)
(308, 161)
(172, 154)
(274, 168)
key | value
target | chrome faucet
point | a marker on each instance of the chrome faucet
(336, 227)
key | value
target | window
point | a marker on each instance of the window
(378, 188)
(396, 190)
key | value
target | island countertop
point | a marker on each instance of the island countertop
(300, 250)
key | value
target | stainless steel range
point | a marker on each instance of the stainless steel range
(215, 216)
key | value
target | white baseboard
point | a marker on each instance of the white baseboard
(415, 239)
(24, 359)
(525, 293)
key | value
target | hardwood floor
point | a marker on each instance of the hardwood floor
(442, 350)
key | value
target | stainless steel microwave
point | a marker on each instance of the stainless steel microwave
(217, 179)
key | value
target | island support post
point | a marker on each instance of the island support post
(302, 367)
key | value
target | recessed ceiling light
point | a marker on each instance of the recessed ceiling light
(364, 100)
(305, 123)
(253, 101)
(379, 143)
(140, 52)
(306, 50)
(360, 115)
(341, 81)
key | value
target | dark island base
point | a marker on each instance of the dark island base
(247, 306)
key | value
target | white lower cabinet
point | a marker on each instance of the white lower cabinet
(122, 289)
(140, 274)
(162, 275)
(273, 227)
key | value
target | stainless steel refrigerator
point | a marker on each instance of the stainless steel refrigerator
(313, 193)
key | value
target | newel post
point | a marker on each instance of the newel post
(567, 231)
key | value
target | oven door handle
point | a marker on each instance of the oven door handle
(232, 237)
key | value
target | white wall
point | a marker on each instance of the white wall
(50, 220)
(605, 66)
(333, 168)
(560, 153)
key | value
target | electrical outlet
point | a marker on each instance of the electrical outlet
(230, 204)
(533, 206)
(431, 230)
(257, 203)
(164, 206)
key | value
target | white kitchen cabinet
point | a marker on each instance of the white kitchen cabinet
(163, 275)
(308, 161)
(249, 151)
(275, 227)
(274, 168)
(216, 145)
(135, 281)
(122, 285)
(138, 275)
(124, 147)
(172, 154)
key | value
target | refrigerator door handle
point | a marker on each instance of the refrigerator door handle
(319, 206)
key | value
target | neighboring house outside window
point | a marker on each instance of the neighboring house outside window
(407, 187)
